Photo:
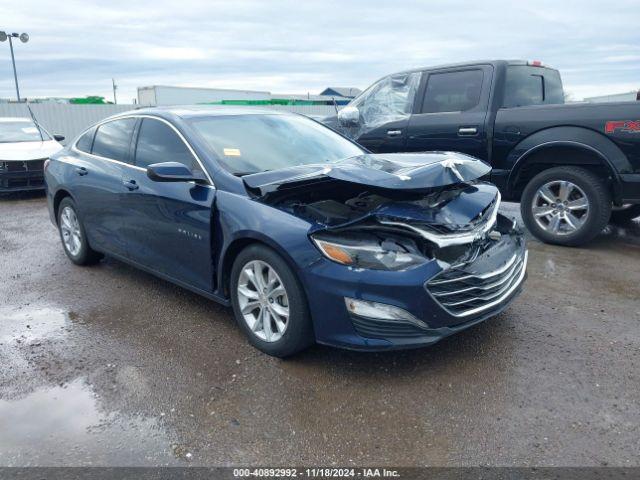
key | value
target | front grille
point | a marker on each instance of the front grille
(464, 293)
(371, 328)
(15, 175)
(26, 166)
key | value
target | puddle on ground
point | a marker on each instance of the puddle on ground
(70, 415)
(29, 325)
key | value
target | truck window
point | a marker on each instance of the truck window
(452, 91)
(389, 99)
(527, 85)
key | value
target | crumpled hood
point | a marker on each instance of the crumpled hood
(22, 151)
(456, 210)
(398, 171)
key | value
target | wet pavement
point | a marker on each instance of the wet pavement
(107, 365)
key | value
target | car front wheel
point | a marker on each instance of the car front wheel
(566, 206)
(269, 302)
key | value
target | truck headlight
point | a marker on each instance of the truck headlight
(377, 252)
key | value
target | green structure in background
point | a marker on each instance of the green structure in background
(89, 100)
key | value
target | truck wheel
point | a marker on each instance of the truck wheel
(625, 214)
(566, 206)
(269, 303)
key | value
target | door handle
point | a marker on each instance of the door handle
(130, 184)
(467, 131)
(394, 133)
(82, 171)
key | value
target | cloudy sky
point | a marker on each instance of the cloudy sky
(76, 47)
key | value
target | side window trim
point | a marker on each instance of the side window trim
(131, 165)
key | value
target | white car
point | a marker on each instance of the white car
(24, 146)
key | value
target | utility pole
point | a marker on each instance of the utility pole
(115, 87)
(24, 38)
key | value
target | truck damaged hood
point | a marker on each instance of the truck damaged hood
(398, 171)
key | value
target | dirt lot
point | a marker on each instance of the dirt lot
(110, 366)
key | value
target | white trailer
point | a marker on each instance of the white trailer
(159, 95)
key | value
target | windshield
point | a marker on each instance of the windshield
(20, 131)
(256, 143)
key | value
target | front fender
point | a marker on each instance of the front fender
(241, 218)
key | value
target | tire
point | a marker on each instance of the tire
(297, 334)
(575, 226)
(625, 215)
(81, 253)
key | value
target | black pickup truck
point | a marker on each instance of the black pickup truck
(573, 167)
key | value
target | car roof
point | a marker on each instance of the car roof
(15, 119)
(191, 111)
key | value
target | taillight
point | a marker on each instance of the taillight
(535, 63)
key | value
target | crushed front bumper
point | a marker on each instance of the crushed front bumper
(18, 176)
(446, 298)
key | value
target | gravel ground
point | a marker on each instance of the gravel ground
(107, 365)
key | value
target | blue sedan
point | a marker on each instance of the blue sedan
(305, 234)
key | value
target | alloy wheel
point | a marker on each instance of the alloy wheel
(70, 228)
(560, 207)
(263, 301)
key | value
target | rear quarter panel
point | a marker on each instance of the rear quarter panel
(518, 129)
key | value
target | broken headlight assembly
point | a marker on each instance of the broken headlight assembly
(373, 251)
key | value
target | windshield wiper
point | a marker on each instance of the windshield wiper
(242, 174)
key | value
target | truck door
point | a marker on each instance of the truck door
(385, 109)
(451, 116)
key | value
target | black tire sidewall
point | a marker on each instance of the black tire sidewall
(596, 192)
(299, 332)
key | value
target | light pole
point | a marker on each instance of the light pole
(24, 38)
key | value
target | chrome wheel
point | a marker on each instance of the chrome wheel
(263, 301)
(70, 228)
(560, 207)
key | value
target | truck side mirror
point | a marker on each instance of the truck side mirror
(349, 116)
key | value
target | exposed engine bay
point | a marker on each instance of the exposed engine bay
(358, 222)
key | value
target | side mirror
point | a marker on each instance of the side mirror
(174, 172)
(349, 116)
(58, 138)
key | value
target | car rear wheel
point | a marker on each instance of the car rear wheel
(72, 234)
(565, 206)
(624, 214)
(269, 302)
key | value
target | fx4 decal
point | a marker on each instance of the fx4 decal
(627, 126)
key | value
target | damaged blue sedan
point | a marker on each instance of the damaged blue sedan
(305, 234)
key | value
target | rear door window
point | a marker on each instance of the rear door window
(158, 142)
(527, 85)
(113, 139)
(85, 142)
(452, 91)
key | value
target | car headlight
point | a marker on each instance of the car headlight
(377, 252)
